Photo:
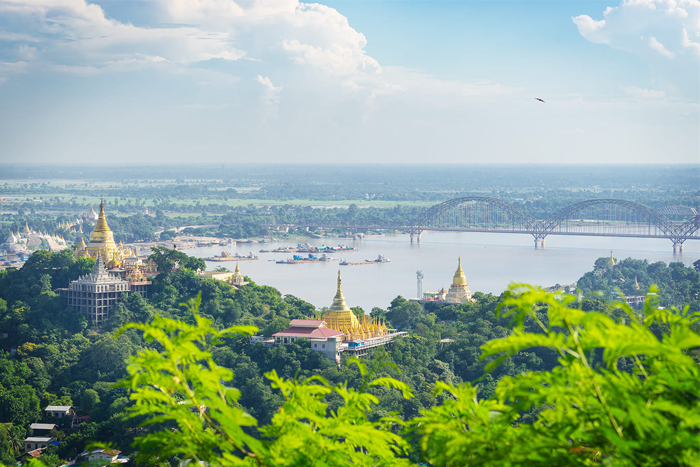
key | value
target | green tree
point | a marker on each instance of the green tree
(89, 400)
(183, 388)
(588, 414)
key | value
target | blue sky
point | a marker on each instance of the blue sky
(183, 81)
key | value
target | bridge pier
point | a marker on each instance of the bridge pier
(416, 237)
(539, 240)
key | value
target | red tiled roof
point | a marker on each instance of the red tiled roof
(36, 452)
(318, 333)
(307, 323)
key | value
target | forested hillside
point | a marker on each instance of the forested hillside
(61, 360)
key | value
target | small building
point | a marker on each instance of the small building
(234, 278)
(40, 429)
(80, 420)
(321, 339)
(60, 411)
(109, 455)
(305, 329)
(36, 442)
(635, 301)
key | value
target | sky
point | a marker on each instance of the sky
(349, 81)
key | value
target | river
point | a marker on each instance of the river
(490, 263)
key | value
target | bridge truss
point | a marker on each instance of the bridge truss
(599, 217)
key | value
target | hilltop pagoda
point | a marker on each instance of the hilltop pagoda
(341, 318)
(102, 243)
(459, 290)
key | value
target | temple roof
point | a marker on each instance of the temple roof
(99, 274)
(308, 332)
(315, 323)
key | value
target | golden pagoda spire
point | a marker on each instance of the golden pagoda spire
(636, 283)
(612, 260)
(101, 225)
(339, 300)
(459, 277)
(238, 270)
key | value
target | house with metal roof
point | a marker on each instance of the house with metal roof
(322, 339)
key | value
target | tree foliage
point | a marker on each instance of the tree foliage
(590, 414)
(587, 412)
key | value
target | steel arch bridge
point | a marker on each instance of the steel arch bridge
(599, 217)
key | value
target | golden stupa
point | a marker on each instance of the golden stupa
(238, 279)
(341, 318)
(459, 290)
(101, 241)
(459, 277)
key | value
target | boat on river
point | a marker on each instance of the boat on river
(226, 256)
(306, 248)
(297, 259)
(380, 260)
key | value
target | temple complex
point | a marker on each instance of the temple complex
(458, 292)
(117, 258)
(341, 318)
(118, 271)
(26, 240)
(338, 331)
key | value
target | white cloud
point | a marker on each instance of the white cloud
(274, 79)
(689, 44)
(627, 26)
(314, 44)
(644, 93)
(664, 33)
(71, 33)
(659, 47)
(271, 94)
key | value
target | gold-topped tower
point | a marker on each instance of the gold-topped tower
(459, 277)
(101, 241)
(341, 318)
(339, 314)
(238, 279)
(459, 290)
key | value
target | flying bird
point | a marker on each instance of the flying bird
(538, 99)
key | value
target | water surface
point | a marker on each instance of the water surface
(490, 262)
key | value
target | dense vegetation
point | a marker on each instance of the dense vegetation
(60, 360)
